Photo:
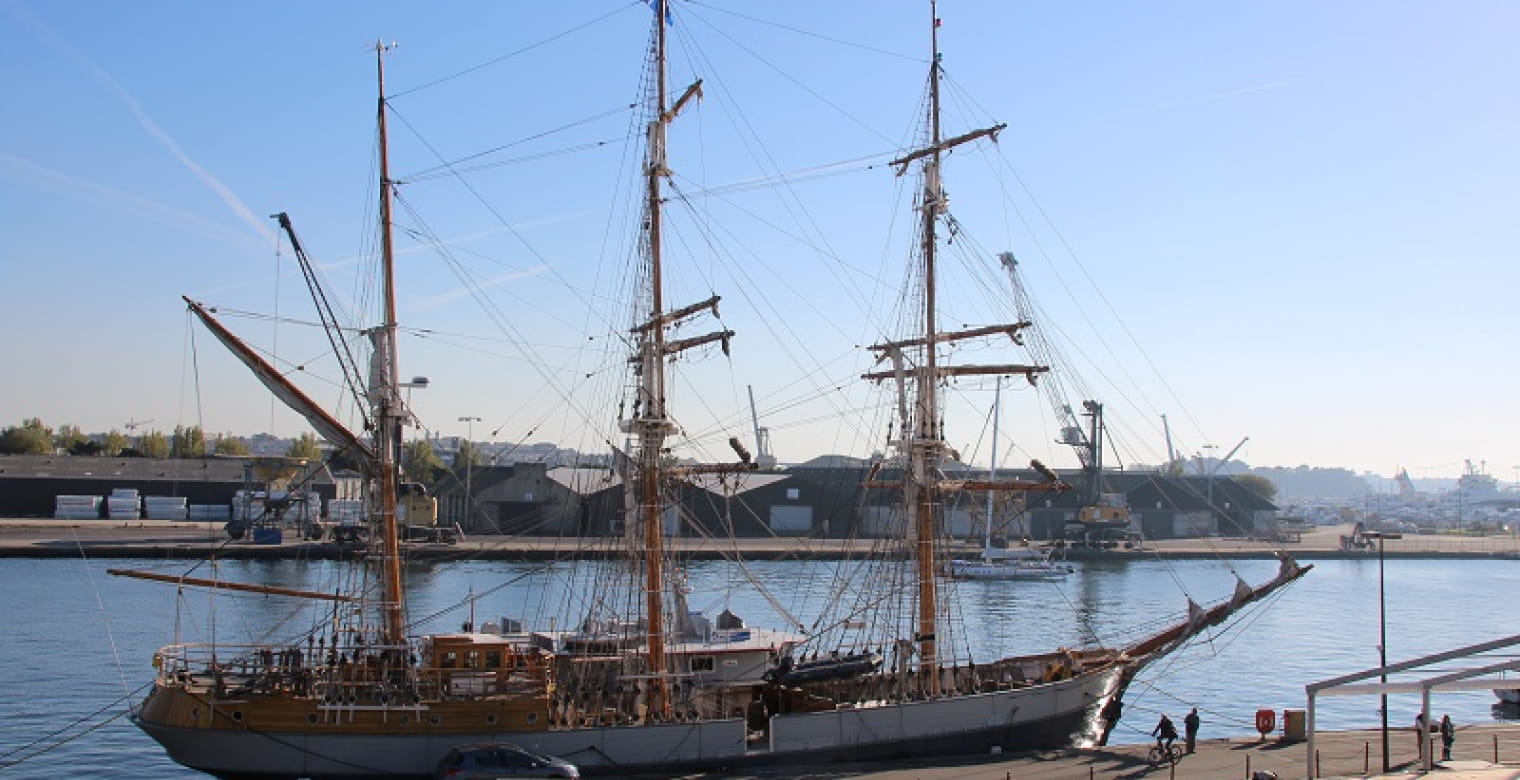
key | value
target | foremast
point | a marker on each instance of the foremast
(650, 421)
(385, 397)
(922, 435)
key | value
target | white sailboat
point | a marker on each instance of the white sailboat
(1006, 563)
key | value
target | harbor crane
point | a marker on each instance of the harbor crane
(762, 435)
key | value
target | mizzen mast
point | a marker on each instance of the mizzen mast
(385, 396)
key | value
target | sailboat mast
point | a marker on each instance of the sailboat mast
(388, 413)
(656, 424)
(997, 400)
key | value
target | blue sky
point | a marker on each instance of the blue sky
(1291, 221)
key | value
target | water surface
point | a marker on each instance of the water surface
(78, 643)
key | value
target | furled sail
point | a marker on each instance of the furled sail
(328, 428)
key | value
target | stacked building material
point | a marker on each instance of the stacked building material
(345, 511)
(166, 507)
(77, 508)
(209, 513)
(124, 504)
(248, 506)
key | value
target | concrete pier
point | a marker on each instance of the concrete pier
(49, 538)
(1342, 754)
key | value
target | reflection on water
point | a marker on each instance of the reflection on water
(62, 667)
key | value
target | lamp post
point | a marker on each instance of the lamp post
(469, 465)
(1383, 636)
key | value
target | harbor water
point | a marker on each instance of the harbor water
(79, 643)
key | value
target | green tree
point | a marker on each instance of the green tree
(306, 447)
(70, 438)
(468, 455)
(187, 442)
(29, 438)
(420, 463)
(227, 444)
(153, 444)
(113, 444)
(1258, 484)
(88, 448)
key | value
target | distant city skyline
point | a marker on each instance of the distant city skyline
(1288, 225)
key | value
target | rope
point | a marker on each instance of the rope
(6, 763)
(110, 635)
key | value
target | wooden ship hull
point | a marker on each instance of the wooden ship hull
(293, 738)
(242, 727)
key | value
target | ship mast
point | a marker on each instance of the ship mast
(385, 396)
(651, 421)
(922, 428)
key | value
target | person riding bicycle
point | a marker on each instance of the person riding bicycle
(1166, 732)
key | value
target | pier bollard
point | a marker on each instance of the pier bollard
(1248, 766)
(1318, 772)
(1496, 748)
(1366, 758)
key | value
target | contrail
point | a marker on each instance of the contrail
(1229, 93)
(128, 202)
(434, 301)
(231, 199)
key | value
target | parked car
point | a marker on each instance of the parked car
(500, 759)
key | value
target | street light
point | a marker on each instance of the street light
(469, 465)
(418, 383)
(1383, 635)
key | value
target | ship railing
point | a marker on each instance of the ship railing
(367, 676)
(197, 658)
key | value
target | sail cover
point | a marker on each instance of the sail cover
(328, 428)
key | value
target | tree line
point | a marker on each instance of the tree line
(33, 437)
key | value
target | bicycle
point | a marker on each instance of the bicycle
(1164, 755)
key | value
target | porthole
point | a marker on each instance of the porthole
(312, 719)
(237, 715)
(195, 713)
(403, 720)
(491, 720)
(532, 717)
(435, 720)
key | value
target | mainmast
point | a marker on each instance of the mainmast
(922, 428)
(928, 445)
(651, 422)
(385, 395)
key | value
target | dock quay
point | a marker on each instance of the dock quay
(51, 538)
(170, 539)
(1488, 751)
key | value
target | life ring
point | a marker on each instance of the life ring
(1266, 722)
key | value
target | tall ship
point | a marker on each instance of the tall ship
(640, 681)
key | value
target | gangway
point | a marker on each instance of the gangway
(1431, 677)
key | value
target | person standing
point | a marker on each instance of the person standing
(1421, 735)
(1190, 724)
(1448, 736)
